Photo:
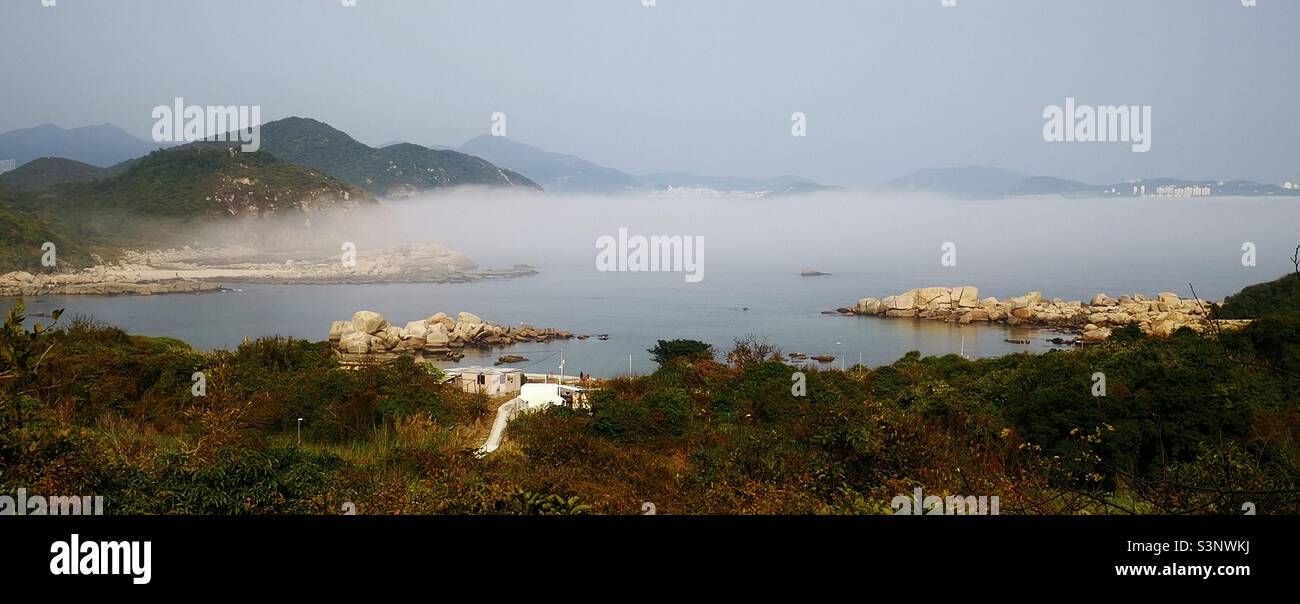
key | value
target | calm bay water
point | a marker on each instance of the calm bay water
(783, 308)
(1070, 249)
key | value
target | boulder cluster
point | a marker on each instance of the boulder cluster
(1161, 315)
(439, 335)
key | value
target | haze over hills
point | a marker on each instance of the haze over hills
(186, 186)
(977, 182)
(556, 172)
(212, 183)
(396, 170)
(787, 184)
(22, 235)
(983, 182)
(45, 172)
(101, 146)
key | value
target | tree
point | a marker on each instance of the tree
(752, 349)
(668, 350)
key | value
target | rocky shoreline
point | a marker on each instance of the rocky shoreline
(97, 283)
(199, 270)
(439, 337)
(1094, 320)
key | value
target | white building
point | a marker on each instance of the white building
(492, 381)
(539, 396)
(8, 165)
(1188, 191)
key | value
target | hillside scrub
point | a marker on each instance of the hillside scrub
(1183, 428)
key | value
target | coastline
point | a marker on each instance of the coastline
(1095, 320)
(205, 270)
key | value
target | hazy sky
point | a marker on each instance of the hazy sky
(709, 86)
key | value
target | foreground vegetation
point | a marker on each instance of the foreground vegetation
(1190, 424)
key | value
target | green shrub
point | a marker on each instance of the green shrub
(690, 350)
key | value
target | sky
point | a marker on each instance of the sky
(707, 86)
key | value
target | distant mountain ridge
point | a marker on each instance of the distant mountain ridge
(45, 172)
(780, 185)
(101, 146)
(983, 182)
(562, 173)
(556, 172)
(396, 170)
(978, 182)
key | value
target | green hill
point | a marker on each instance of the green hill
(195, 183)
(22, 235)
(158, 195)
(396, 170)
(1279, 295)
(45, 172)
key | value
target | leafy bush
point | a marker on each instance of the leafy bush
(691, 350)
(1281, 295)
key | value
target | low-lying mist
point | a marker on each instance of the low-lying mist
(1065, 247)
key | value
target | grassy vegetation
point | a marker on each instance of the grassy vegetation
(401, 167)
(1281, 294)
(23, 234)
(197, 184)
(163, 199)
(1184, 428)
(160, 197)
(49, 171)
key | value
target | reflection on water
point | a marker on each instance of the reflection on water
(755, 249)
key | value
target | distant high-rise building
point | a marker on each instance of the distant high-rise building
(7, 165)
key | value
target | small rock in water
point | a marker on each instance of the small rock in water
(506, 359)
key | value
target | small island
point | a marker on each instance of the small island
(369, 336)
(1161, 316)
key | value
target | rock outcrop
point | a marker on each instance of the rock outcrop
(1095, 320)
(435, 337)
(91, 283)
